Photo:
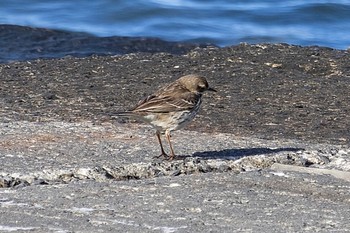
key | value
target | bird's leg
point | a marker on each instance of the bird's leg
(172, 154)
(163, 154)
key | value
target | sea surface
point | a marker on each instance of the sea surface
(222, 22)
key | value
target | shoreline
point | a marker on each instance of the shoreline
(22, 43)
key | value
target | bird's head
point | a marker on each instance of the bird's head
(195, 83)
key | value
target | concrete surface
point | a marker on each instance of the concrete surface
(83, 177)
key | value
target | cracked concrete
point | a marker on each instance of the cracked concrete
(83, 177)
(54, 152)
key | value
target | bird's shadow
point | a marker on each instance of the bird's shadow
(242, 152)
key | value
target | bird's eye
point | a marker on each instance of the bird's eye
(202, 87)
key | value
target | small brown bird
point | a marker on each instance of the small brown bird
(171, 108)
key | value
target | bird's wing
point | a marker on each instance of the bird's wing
(167, 102)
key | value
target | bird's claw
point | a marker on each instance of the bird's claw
(165, 156)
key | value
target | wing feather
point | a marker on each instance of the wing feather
(168, 103)
(172, 98)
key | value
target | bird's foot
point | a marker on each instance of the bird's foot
(163, 155)
(171, 157)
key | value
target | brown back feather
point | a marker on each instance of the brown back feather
(171, 98)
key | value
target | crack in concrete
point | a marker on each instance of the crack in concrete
(182, 166)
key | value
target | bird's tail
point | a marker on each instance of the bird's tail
(122, 114)
(127, 114)
(130, 115)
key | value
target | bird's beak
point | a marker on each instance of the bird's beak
(212, 89)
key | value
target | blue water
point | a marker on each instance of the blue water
(314, 22)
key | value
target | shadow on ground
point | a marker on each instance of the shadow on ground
(238, 153)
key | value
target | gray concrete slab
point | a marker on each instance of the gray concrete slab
(83, 177)
(255, 201)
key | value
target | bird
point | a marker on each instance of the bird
(171, 107)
